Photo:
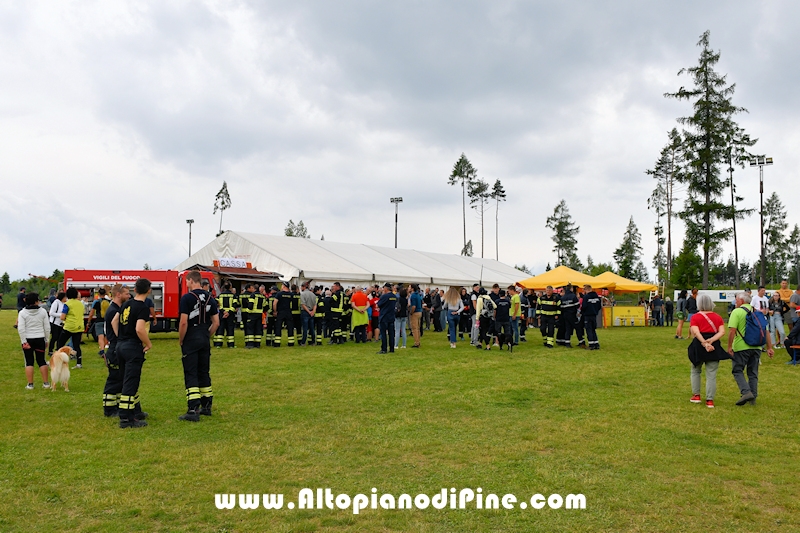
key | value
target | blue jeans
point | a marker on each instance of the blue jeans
(515, 329)
(400, 331)
(308, 325)
(452, 325)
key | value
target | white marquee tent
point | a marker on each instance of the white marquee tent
(323, 261)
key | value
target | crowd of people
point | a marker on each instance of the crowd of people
(495, 318)
(309, 315)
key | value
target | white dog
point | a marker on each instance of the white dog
(59, 367)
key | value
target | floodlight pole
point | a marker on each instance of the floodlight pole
(190, 221)
(760, 162)
(396, 201)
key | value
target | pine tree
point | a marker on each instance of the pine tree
(737, 154)
(5, 283)
(628, 255)
(465, 173)
(222, 202)
(296, 230)
(669, 172)
(479, 201)
(498, 194)
(793, 246)
(707, 136)
(775, 245)
(564, 234)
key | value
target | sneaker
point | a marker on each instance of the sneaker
(696, 399)
(495, 345)
(190, 416)
(382, 352)
(79, 365)
(710, 404)
(403, 347)
(205, 411)
(744, 399)
(29, 386)
(46, 385)
(132, 423)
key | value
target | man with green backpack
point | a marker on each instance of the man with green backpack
(747, 334)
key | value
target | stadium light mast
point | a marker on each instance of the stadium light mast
(396, 201)
(190, 221)
(761, 162)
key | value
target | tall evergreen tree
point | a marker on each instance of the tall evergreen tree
(479, 201)
(737, 154)
(5, 283)
(464, 173)
(564, 234)
(629, 254)
(706, 136)
(222, 202)
(498, 194)
(775, 245)
(669, 172)
(793, 247)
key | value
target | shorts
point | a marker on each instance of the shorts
(100, 328)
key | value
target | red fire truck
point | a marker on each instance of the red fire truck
(167, 289)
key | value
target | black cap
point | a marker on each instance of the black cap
(274, 288)
(387, 285)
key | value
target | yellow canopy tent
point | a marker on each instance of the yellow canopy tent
(624, 284)
(562, 275)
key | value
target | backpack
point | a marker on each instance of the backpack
(755, 328)
(488, 307)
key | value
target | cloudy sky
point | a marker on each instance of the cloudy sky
(122, 119)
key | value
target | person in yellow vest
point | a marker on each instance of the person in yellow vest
(228, 304)
(259, 305)
(72, 316)
(297, 317)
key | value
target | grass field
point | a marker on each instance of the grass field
(615, 425)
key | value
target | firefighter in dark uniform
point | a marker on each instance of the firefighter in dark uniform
(269, 334)
(347, 315)
(319, 316)
(259, 305)
(227, 303)
(569, 317)
(335, 311)
(130, 327)
(283, 315)
(246, 301)
(592, 305)
(297, 320)
(548, 309)
(199, 321)
(113, 387)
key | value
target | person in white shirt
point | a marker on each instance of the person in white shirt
(56, 324)
(761, 302)
(33, 328)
